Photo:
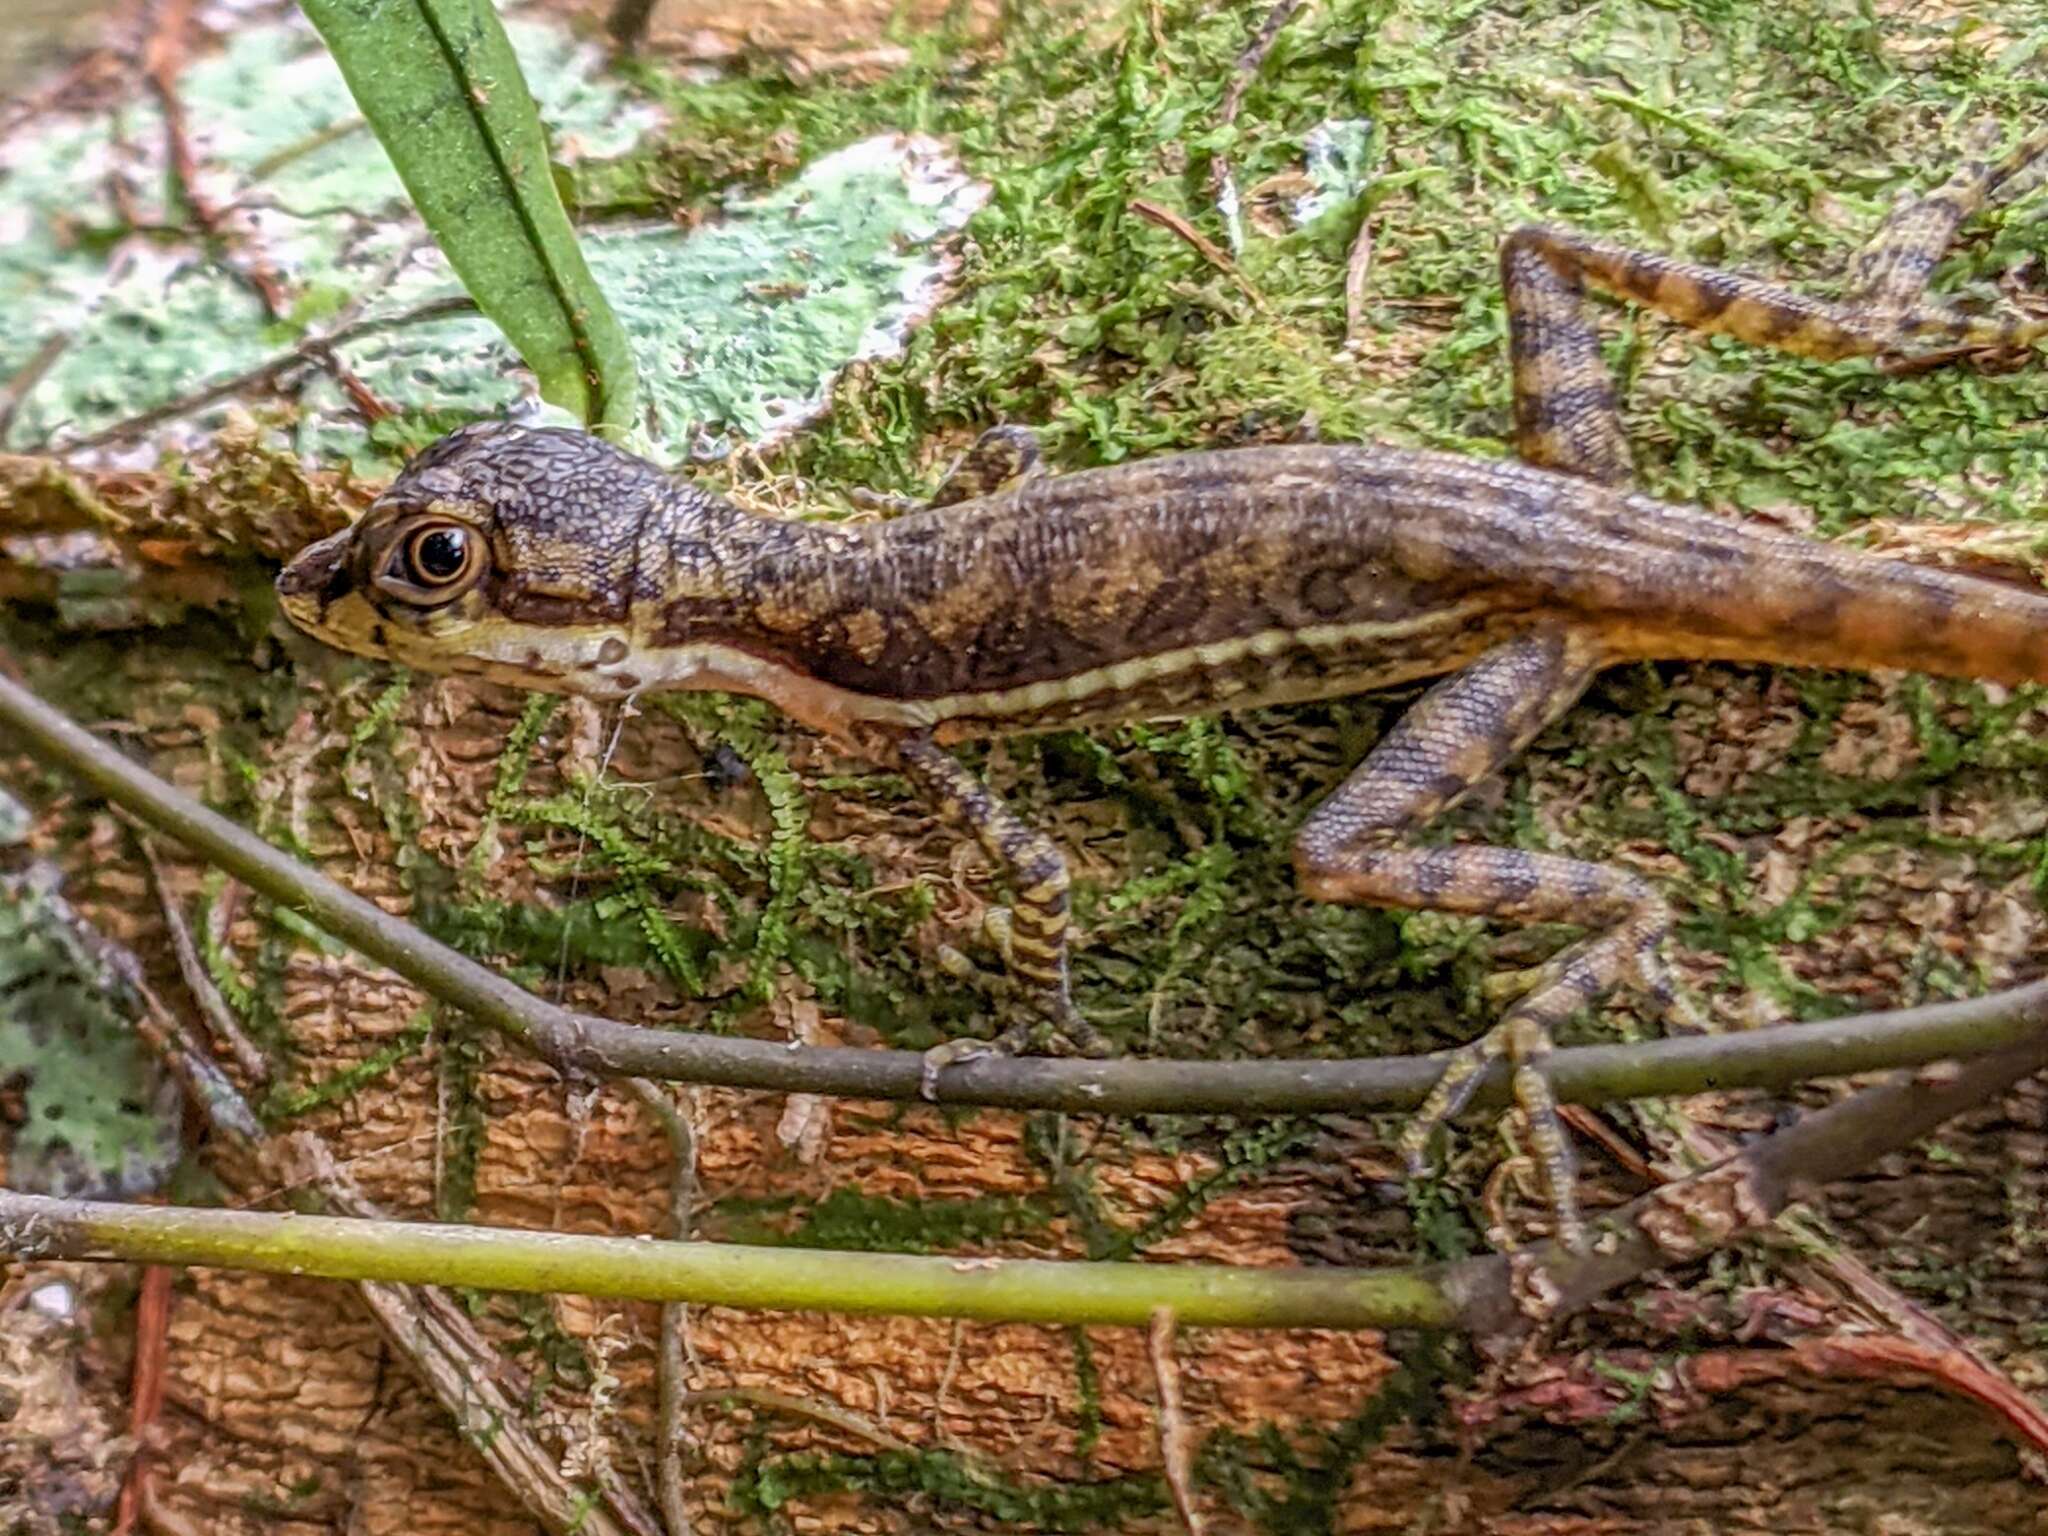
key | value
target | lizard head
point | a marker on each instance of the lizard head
(505, 551)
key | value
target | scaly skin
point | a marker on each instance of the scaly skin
(1021, 601)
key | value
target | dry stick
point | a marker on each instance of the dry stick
(1222, 179)
(1506, 1298)
(438, 1340)
(768, 1400)
(1248, 62)
(1173, 1427)
(442, 1344)
(227, 1029)
(314, 349)
(671, 1435)
(1764, 1058)
(1209, 251)
(1357, 272)
(24, 110)
(146, 1391)
(27, 376)
(1921, 1344)
(162, 58)
(1501, 1299)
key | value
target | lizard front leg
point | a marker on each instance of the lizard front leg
(1035, 944)
(1564, 402)
(999, 458)
(1358, 847)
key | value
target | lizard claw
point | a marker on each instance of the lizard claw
(951, 1054)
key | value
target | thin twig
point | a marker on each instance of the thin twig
(314, 349)
(439, 1340)
(27, 376)
(1888, 1358)
(1920, 1342)
(162, 57)
(1247, 67)
(1357, 273)
(1501, 1299)
(1222, 179)
(1506, 1299)
(1774, 1057)
(1209, 251)
(1173, 1429)
(146, 1390)
(18, 114)
(671, 1434)
(227, 1028)
(1105, 1292)
(341, 128)
(859, 1425)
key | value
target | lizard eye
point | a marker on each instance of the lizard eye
(432, 561)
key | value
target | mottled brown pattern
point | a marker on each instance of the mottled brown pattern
(1230, 579)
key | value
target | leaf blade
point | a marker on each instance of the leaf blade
(443, 91)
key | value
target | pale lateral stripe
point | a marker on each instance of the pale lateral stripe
(1122, 676)
(505, 648)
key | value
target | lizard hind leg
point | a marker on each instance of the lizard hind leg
(1359, 846)
(1564, 403)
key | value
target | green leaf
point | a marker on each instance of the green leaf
(438, 81)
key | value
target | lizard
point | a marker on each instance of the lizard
(1021, 600)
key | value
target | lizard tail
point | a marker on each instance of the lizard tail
(1757, 596)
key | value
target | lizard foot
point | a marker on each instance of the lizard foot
(1524, 1040)
(1051, 1028)
(955, 1053)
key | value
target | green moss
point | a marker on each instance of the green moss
(464, 1048)
(1244, 1151)
(534, 1337)
(951, 1483)
(1292, 1483)
(284, 1103)
(1087, 1395)
(744, 725)
(848, 1218)
(1766, 137)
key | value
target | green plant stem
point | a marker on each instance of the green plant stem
(1763, 1058)
(723, 1274)
(1499, 1298)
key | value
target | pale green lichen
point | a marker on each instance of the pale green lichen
(100, 1120)
(738, 327)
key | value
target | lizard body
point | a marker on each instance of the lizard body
(1184, 584)
(1168, 587)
